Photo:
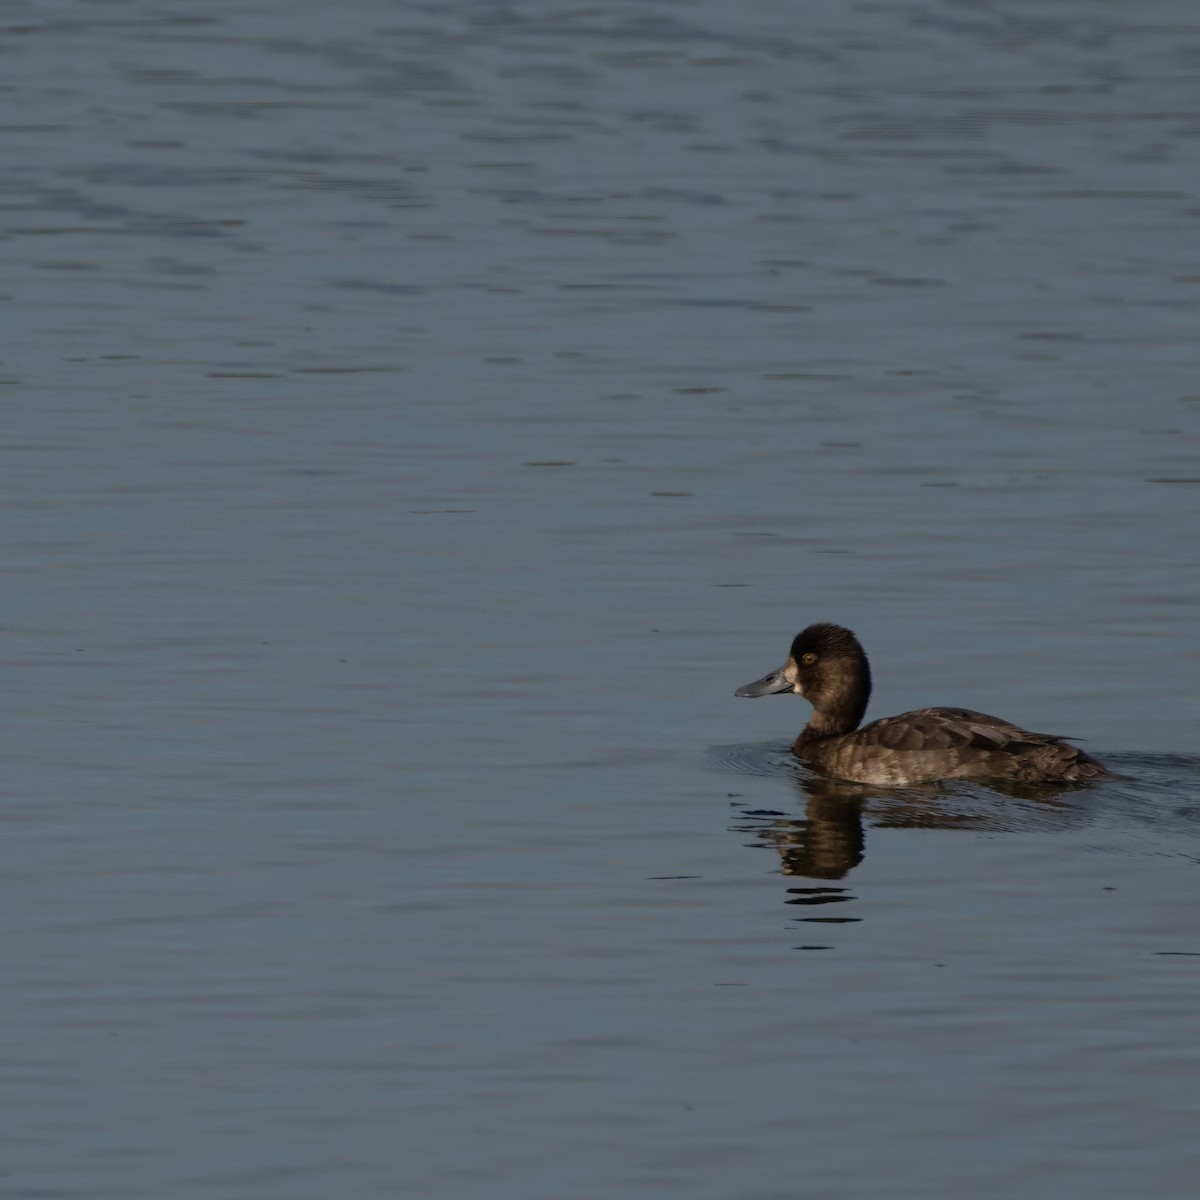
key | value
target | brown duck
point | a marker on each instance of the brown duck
(828, 667)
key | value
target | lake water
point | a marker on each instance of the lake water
(418, 420)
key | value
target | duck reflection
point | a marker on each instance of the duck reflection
(826, 843)
(829, 841)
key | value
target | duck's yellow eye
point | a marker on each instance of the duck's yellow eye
(808, 659)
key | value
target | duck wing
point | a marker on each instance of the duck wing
(949, 729)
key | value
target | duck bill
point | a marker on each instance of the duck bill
(768, 685)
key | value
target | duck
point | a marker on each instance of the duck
(828, 667)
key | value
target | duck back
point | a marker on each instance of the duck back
(945, 743)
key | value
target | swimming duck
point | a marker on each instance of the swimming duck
(828, 667)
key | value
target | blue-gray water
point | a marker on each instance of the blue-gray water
(417, 420)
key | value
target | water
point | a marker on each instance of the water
(418, 420)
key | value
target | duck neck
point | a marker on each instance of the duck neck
(832, 722)
(841, 710)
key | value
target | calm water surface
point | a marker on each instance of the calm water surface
(418, 419)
